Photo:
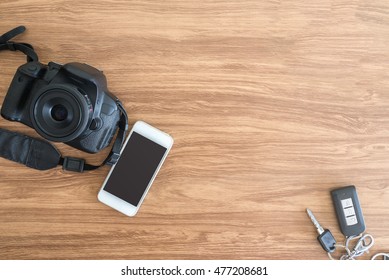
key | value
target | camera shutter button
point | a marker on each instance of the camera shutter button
(95, 124)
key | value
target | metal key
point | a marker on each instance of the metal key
(325, 237)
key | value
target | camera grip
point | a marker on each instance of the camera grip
(19, 90)
(98, 139)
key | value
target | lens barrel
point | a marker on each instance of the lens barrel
(60, 112)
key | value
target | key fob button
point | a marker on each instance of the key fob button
(351, 221)
(349, 212)
(347, 202)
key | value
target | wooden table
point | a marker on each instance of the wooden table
(271, 104)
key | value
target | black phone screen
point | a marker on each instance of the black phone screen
(135, 168)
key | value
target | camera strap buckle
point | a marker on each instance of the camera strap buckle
(73, 164)
(113, 158)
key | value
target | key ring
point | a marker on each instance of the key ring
(384, 255)
(348, 252)
(364, 243)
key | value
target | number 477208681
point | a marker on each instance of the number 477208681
(232, 270)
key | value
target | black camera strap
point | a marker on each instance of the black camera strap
(6, 44)
(41, 154)
(32, 152)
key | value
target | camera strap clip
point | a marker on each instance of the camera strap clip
(72, 164)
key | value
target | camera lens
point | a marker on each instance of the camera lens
(59, 113)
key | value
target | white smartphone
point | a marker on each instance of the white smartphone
(131, 177)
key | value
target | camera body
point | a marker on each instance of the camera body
(64, 103)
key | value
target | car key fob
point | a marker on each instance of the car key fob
(348, 211)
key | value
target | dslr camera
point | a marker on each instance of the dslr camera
(64, 103)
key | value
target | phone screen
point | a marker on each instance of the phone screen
(135, 168)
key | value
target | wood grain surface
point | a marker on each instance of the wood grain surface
(271, 104)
